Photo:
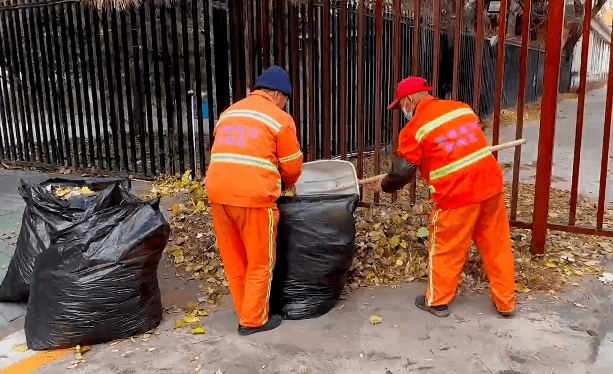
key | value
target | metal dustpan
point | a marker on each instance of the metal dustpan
(328, 177)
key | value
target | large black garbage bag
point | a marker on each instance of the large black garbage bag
(98, 281)
(315, 249)
(44, 214)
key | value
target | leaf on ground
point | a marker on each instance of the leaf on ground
(86, 191)
(375, 320)
(191, 319)
(175, 209)
(186, 176)
(423, 232)
(198, 331)
(180, 324)
(82, 349)
(203, 313)
(200, 206)
(21, 348)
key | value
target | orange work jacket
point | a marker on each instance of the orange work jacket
(444, 139)
(254, 152)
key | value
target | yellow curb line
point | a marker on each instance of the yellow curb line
(35, 362)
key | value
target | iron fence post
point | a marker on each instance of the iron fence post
(553, 56)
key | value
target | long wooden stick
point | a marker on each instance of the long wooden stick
(515, 143)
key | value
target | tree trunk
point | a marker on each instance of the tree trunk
(576, 30)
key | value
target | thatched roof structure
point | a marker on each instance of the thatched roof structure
(111, 4)
(97, 4)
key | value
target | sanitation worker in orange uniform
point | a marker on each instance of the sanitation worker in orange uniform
(255, 154)
(445, 141)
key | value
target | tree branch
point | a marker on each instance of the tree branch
(576, 30)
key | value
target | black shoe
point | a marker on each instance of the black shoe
(439, 310)
(273, 323)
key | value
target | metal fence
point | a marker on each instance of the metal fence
(138, 91)
(335, 76)
(114, 91)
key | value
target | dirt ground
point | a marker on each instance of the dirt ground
(563, 333)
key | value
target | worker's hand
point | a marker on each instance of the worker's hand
(374, 188)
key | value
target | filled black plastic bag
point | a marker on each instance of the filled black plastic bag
(315, 250)
(43, 215)
(98, 281)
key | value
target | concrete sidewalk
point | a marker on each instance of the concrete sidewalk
(591, 148)
(11, 211)
(569, 333)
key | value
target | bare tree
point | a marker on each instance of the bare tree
(575, 21)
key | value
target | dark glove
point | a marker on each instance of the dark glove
(400, 174)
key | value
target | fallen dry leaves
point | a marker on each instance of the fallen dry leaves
(22, 348)
(79, 357)
(392, 242)
(67, 193)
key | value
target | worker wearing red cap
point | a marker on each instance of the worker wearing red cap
(445, 141)
(255, 153)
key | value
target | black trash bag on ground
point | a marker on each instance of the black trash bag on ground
(315, 250)
(98, 281)
(43, 215)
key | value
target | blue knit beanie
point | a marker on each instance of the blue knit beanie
(275, 79)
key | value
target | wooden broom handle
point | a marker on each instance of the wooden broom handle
(515, 143)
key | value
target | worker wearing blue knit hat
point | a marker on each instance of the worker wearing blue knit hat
(255, 153)
(276, 79)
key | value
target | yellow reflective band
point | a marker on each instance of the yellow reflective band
(460, 164)
(431, 190)
(292, 157)
(271, 258)
(431, 257)
(434, 124)
(268, 121)
(243, 160)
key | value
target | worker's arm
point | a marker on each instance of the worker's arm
(405, 159)
(289, 154)
(399, 175)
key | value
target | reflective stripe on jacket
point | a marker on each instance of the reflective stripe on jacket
(446, 142)
(254, 152)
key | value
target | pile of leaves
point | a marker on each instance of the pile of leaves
(392, 241)
(192, 245)
(192, 191)
(508, 117)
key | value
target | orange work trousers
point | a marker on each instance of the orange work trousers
(452, 230)
(246, 238)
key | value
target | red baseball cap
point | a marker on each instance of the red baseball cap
(408, 87)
